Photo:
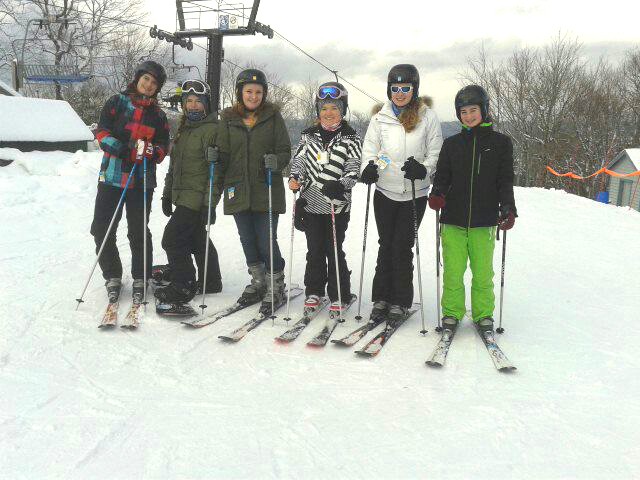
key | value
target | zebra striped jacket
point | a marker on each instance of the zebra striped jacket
(344, 152)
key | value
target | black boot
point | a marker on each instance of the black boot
(213, 286)
(450, 323)
(279, 292)
(176, 292)
(485, 325)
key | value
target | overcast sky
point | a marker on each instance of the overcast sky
(363, 39)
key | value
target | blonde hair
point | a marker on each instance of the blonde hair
(410, 116)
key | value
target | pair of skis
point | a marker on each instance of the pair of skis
(110, 317)
(500, 360)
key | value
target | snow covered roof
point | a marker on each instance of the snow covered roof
(632, 153)
(25, 119)
(5, 89)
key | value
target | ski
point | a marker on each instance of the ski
(374, 346)
(132, 319)
(439, 354)
(297, 328)
(321, 339)
(355, 336)
(175, 309)
(217, 315)
(500, 360)
(239, 333)
(110, 317)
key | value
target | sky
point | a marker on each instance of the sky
(362, 40)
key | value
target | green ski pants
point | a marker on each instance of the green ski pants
(476, 246)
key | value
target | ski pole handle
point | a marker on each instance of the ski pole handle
(212, 154)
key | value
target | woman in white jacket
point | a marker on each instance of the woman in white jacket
(402, 144)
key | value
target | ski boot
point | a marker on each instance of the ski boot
(279, 293)
(485, 325)
(176, 292)
(138, 290)
(380, 310)
(213, 286)
(254, 292)
(114, 285)
(311, 304)
(450, 323)
(396, 314)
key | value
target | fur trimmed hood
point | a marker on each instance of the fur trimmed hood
(426, 100)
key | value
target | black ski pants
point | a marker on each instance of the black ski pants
(320, 272)
(106, 202)
(393, 280)
(185, 234)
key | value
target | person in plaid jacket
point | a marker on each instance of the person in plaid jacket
(126, 118)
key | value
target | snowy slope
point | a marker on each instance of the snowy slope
(169, 402)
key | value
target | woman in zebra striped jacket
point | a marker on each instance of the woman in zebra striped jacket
(325, 167)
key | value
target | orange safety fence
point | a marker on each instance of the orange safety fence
(602, 170)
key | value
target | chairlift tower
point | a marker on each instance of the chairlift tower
(194, 19)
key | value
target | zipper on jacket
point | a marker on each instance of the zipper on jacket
(479, 161)
(473, 164)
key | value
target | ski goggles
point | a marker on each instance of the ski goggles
(195, 86)
(331, 92)
(398, 89)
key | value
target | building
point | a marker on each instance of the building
(625, 191)
(41, 124)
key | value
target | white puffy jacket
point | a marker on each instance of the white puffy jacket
(386, 135)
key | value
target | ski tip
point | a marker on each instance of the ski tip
(282, 341)
(361, 353)
(314, 346)
(507, 369)
(226, 339)
(106, 327)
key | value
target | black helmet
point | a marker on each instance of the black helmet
(473, 95)
(250, 75)
(404, 73)
(332, 91)
(152, 68)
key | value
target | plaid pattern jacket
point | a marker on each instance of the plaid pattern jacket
(124, 119)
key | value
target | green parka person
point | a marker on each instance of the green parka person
(253, 140)
(186, 186)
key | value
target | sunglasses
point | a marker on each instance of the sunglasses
(194, 86)
(398, 89)
(332, 92)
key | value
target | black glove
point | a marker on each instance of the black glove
(204, 215)
(334, 190)
(167, 206)
(299, 218)
(507, 218)
(126, 150)
(370, 174)
(413, 170)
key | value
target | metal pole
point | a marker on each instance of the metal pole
(293, 219)
(364, 248)
(214, 69)
(415, 229)
(504, 253)
(212, 157)
(335, 253)
(439, 327)
(273, 303)
(104, 241)
(142, 145)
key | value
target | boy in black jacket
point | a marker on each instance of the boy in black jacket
(473, 186)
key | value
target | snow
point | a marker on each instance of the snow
(7, 90)
(634, 155)
(40, 120)
(169, 402)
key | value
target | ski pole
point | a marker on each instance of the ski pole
(142, 145)
(293, 219)
(273, 303)
(212, 158)
(104, 241)
(504, 253)
(415, 229)
(439, 327)
(364, 248)
(335, 253)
